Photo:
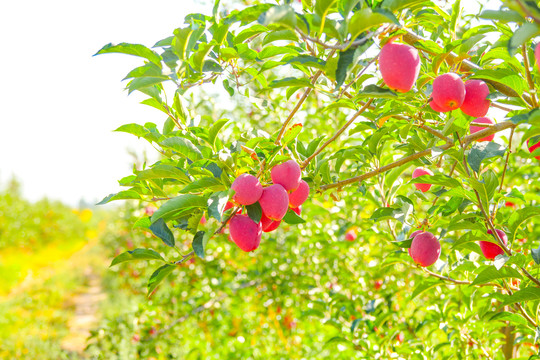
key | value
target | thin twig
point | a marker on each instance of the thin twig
(336, 135)
(529, 77)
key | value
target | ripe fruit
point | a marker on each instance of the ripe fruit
(378, 284)
(510, 204)
(436, 107)
(491, 250)
(269, 224)
(297, 210)
(534, 146)
(245, 232)
(247, 189)
(287, 174)
(298, 196)
(475, 102)
(203, 220)
(537, 55)
(274, 202)
(400, 337)
(482, 120)
(425, 249)
(350, 235)
(412, 237)
(419, 172)
(448, 91)
(399, 65)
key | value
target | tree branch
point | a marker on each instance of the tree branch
(477, 135)
(335, 136)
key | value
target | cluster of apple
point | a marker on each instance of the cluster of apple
(400, 66)
(425, 248)
(288, 191)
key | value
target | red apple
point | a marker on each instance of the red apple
(300, 195)
(420, 172)
(412, 237)
(287, 174)
(350, 235)
(245, 232)
(399, 65)
(482, 120)
(247, 189)
(436, 107)
(475, 103)
(274, 202)
(425, 249)
(491, 250)
(448, 91)
(534, 146)
(378, 284)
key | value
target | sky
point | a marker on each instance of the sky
(59, 105)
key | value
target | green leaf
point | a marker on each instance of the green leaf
(254, 211)
(374, 91)
(519, 217)
(394, 5)
(217, 203)
(491, 273)
(346, 6)
(137, 254)
(503, 76)
(162, 231)
(292, 218)
(203, 184)
(162, 171)
(347, 59)
(122, 195)
(482, 151)
(307, 60)
(132, 49)
(364, 19)
(423, 286)
(286, 35)
(199, 243)
(291, 81)
(178, 204)
(183, 147)
(144, 82)
(530, 293)
(143, 222)
(521, 36)
(214, 131)
(279, 16)
(157, 277)
(437, 179)
(502, 15)
(134, 129)
(291, 134)
(535, 253)
(508, 316)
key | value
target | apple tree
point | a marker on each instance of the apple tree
(380, 155)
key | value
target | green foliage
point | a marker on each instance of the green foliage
(238, 76)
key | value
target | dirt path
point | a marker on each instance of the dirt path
(86, 308)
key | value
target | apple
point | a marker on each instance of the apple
(300, 195)
(245, 233)
(274, 202)
(476, 103)
(482, 120)
(287, 174)
(420, 172)
(350, 235)
(247, 189)
(448, 91)
(491, 250)
(534, 146)
(399, 65)
(425, 249)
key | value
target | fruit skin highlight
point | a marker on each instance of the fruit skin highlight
(537, 55)
(482, 120)
(448, 91)
(287, 174)
(245, 232)
(475, 103)
(491, 250)
(419, 172)
(412, 237)
(274, 202)
(300, 195)
(425, 249)
(350, 235)
(399, 65)
(533, 147)
(247, 189)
